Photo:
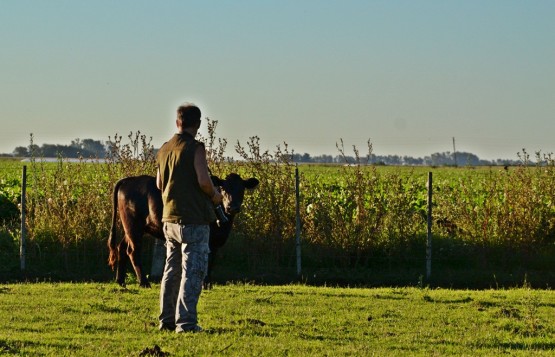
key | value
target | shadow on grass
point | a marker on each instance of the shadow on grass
(454, 265)
(521, 346)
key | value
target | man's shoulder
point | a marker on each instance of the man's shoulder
(163, 148)
(174, 141)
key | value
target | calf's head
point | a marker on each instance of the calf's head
(233, 191)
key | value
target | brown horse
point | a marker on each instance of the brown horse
(139, 203)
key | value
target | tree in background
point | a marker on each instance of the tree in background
(94, 148)
(86, 148)
(21, 151)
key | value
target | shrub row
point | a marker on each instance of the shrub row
(358, 217)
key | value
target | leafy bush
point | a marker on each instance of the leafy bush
(268, 218)
(363, 213)
(509, 210)
(351, 218)
(70, 203)
(10, 195)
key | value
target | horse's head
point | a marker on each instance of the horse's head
(233, 191)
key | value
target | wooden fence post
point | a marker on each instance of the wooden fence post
(298, 221)
(429, 241)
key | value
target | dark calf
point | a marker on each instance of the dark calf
(139, 203)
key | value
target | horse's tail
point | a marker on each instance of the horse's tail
(112, 259)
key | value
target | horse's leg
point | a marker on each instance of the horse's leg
(134, 253)
(122, 262)
(208, 278)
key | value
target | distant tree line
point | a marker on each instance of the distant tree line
(437, 159)
(88, 148)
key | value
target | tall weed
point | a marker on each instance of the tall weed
(268, 217)
(69, 203)
(132, 158)
(506, 210)
(362, 212)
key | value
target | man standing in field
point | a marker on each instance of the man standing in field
(189, 197)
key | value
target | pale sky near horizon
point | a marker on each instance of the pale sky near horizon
(408, 75)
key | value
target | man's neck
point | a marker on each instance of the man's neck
(190, 131)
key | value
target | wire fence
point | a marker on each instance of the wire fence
(88, 262)
(298, 260)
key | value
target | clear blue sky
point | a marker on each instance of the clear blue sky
(409, 75)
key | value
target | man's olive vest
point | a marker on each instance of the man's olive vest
(184, 201)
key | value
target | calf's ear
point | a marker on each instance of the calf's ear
(251, 183)
(216, 180)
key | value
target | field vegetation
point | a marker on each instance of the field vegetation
(361, 224)
(102, 319)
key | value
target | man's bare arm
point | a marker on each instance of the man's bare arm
(158, 180)
(201, 168)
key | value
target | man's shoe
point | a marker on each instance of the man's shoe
(164, 327)
(194, 329)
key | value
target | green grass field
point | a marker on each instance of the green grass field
(96, 319)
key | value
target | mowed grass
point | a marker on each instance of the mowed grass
(94, 319)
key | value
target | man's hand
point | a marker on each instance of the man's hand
(217, 197)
